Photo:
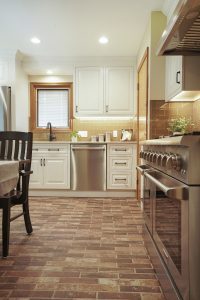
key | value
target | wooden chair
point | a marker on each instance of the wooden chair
(16, 146)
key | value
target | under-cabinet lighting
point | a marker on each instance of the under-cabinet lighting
(105, 118)
(49, 72)
(187, 96)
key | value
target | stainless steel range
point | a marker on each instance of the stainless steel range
(171, 204)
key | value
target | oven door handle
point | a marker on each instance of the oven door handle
(179, 192)
(142, 169)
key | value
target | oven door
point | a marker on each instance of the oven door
(146, 197)
(170, 226)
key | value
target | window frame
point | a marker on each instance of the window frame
(34, 86)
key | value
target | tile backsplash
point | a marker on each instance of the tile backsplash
(162, 112)
(94, 127)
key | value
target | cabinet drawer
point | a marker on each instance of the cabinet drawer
(120, 149)
(124, 163)
(50, 148)
(120, 181)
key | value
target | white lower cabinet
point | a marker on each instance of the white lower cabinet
(121, 163)
(51, 167)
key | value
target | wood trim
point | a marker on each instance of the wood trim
(145, 57)
(33, 104)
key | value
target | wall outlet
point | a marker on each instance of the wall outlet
(115, 133)
(83, 133)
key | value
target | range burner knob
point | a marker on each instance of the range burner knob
(164, 160)
(169, 161)
(148, 156)
(154, 158)
(176, 162)
(144, 154)
(151, 156)
(159, 158)
(141, 153)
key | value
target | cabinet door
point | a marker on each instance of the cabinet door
(36, 179)
(89, 91)
(56, 172)
(173, 76)
(119, 91)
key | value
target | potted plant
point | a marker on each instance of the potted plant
(180, 125)
(74, 136)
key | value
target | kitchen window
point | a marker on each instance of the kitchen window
(51, 103)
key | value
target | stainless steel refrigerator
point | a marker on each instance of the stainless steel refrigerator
(5, 108)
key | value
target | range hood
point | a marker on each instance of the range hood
(182, 35)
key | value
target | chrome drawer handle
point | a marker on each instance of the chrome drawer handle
(35, 149)
(120, 179)
(120, 164)
(57, 149)
(88, 148)
(123, 150)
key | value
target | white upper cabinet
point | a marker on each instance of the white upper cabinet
(104, 91)
(119, 90)
(182, 78)
(173, 76)
(89, 91)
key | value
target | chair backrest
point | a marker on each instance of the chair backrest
(16, 145)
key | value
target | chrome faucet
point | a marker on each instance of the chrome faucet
(51, 135)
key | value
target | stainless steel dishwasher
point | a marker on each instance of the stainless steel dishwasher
(88, 167)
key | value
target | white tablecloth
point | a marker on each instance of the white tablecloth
(9, 174)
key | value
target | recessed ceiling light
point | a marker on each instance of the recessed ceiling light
(49, 72)
(35, 40)
(103, 40)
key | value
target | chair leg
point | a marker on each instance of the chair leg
(27, 218)
(6, 227)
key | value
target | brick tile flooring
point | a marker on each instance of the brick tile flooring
(80, 249)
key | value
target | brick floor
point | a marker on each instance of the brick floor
(79, 249)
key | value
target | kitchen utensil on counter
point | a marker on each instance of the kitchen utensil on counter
(108, 136)
(93, 138)
(127, 134)
(101, 137)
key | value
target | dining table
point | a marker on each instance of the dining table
(9, 175)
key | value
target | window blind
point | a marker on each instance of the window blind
(53, 106)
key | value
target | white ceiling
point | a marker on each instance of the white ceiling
(71, 28)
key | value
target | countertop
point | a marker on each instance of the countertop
(83, 142)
